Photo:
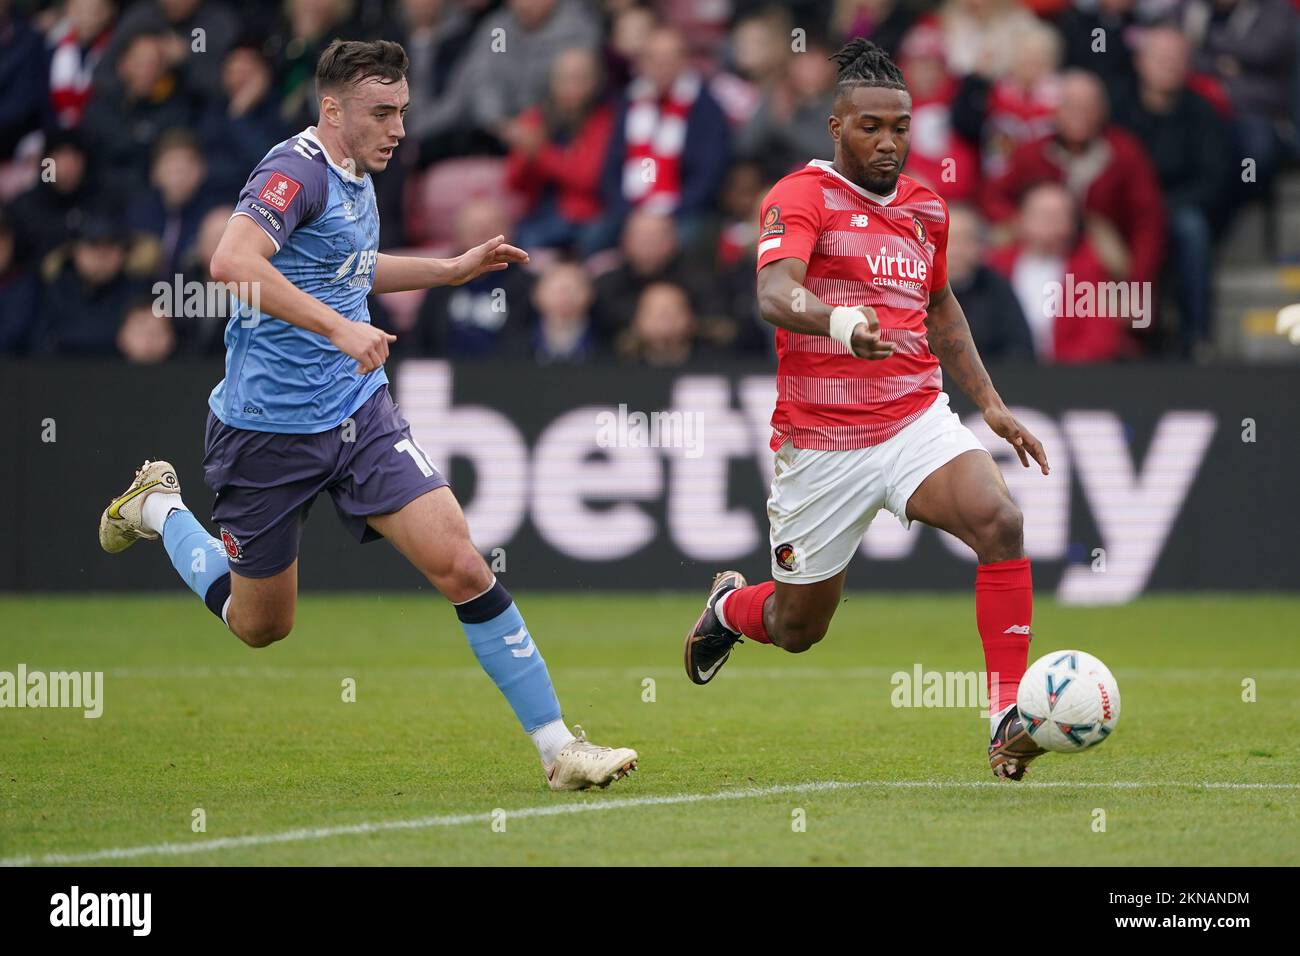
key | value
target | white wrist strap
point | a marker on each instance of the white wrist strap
(844, 319)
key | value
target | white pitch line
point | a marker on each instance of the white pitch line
(553, 810)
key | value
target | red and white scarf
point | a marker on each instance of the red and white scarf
(71, 67)
(655, 131)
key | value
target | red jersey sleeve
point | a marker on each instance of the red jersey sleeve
(791, 220)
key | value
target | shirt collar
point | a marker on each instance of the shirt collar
(310, 134)
(825, 165)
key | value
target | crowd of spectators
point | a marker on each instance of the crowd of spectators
(1108, 140)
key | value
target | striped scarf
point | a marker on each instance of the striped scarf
(655, 130)
(71, 67)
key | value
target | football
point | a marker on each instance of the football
(1068, 701)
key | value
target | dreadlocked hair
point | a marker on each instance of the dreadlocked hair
(862, 63)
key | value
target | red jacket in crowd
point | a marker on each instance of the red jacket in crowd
(1123, 190)
(573, 169)
(1075, 338)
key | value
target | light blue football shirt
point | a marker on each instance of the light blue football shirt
(325, 225)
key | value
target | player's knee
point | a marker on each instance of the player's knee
(263, 633)
(463, 575)
(1001, 533)
(798, 636)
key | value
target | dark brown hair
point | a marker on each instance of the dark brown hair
(348, 62)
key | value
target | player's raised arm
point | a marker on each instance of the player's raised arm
(406, 273)
(951, 342)
(243, 256)
(784, 301)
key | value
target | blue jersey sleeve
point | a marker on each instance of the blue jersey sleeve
(287, 189)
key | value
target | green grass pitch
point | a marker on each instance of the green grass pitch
(287, 773)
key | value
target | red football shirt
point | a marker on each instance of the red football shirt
(888, 252)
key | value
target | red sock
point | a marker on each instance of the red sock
(1004, 610)
(745, 610)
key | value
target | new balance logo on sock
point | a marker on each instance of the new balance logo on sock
(1017, 629)
(520, 637)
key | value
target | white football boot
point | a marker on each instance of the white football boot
(582, 764)
(121, 525)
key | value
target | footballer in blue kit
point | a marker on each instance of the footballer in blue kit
(304, 408)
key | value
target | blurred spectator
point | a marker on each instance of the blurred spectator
(296, 43)
(1249, 46)
(204, 334)
(631, 27)
(997, 323)
(24, 81)
(47, 214)
(122, 125)
(702, 23)
(86, 294)
(663, 328)
(735, 322)
(1103, 166)
(505, 71)
(1050, 257)
(562, 299)
(19, 294)
(486, 317)
(146, 336)
(1002, 113)
(742, 191)
(1189, 147)
(78, 43)
(789, 127)
(172, 210)
(243, 122)
(760, 56)
(651, 253)
(434, 34)
(668, 151)
(981, 35)
(556, 152)
(1098, 37)
(939, 155)
(883, 21)
(176, 22)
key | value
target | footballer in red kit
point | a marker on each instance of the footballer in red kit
(852, 271)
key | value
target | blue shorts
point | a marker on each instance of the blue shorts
(266, 482)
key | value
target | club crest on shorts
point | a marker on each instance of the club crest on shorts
(785, 557)
(234, 550)
(918, 227)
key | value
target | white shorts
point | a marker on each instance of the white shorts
(823, 501)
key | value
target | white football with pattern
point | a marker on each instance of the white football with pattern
(1069, 701)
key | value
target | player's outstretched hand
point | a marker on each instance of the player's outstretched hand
(1021, 438)
(363, 342)
(866, 340)
(492, 256)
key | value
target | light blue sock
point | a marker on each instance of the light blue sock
(501, 642)
(198, 558)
